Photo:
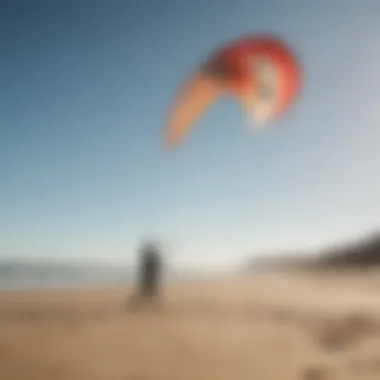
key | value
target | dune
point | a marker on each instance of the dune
(294, 325)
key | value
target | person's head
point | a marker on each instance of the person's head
(149, 247)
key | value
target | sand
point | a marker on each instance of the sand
(268, 327)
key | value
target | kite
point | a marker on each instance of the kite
(260, 71)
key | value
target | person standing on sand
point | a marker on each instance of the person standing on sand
(149, 274)
(150, 271)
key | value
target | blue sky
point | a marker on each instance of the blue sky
(85, 90)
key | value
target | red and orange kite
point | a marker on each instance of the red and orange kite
(260, 71)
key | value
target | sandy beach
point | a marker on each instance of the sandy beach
(284, 326)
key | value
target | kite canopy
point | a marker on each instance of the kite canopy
(261, 72)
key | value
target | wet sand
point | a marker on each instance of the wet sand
(269, 327)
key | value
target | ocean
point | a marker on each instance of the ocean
(35, 276)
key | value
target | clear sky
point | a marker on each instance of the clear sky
(85, 87)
